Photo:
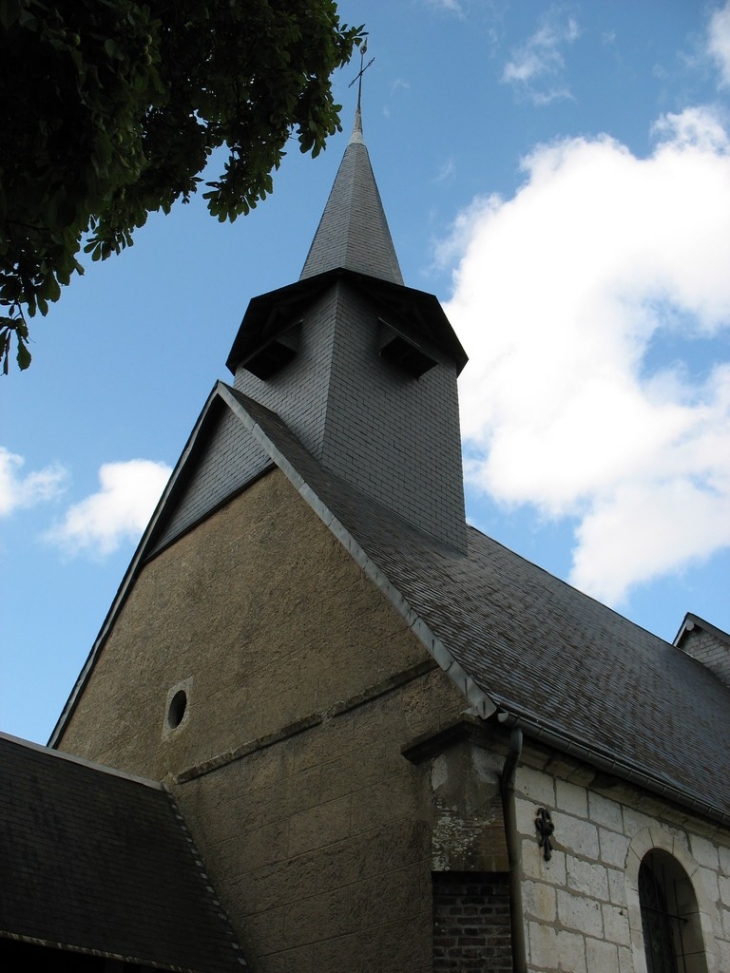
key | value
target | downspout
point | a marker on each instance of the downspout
(507, 787)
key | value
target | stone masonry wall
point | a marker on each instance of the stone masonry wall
(263, 618)
(581, 908)
(303, 685)
(320, 843)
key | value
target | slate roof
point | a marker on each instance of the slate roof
(99, 862)
(353, 232)
(571, 670)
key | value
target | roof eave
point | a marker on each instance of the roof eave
(260, 324)
(613, 764)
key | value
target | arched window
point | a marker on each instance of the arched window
(670, 916)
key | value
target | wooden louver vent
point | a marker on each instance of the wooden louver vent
(401, 350)
(275, 354)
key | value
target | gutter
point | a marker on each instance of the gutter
(516, 914)
(619, 768)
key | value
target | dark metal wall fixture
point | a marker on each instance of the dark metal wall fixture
(545, 828)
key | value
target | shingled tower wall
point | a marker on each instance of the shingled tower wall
(359, 408)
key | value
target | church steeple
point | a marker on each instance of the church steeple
(359, 367)
(353, 232)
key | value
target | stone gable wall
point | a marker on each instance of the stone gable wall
(303, 685)
(260, 614)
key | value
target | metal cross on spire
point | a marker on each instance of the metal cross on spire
(358, 76)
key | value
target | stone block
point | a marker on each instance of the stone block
(580, 914)
(538, 901)
(577, 836)
(525, 811)
(616, 924)
(709, 883)
(266, 930)
(356, 953)
(262, 846)
(602, 956)
(587, 877)
(386, 897)
(536, 787)
(614, 847)
(571, 798)
(704, 852)
(534, 864)
(724, 887)
(256, 891)
(317, 917)
(616, 887)
(287, 960)
(319, 826)
(605, 812)
(336, 866)
(543, 946)
(724, 955)
(571, 952)
(635, 821)
(626, 960)
(407, 944)
(394, 798)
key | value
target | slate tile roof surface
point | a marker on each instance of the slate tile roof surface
(99, 862)
(353, 232)
(538, 647)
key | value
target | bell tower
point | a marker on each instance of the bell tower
(360, 367)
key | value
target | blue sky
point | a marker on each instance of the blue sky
(559, 175)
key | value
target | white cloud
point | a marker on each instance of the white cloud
(119, 511)
(564, 295)
(718, 42)
(446, 171)
(398, 84)
(450, 6)
(537, 66)
(17, 491)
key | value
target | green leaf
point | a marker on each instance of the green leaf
(24, 356)
(114, 107)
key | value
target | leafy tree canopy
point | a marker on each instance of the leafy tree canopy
(110, 109)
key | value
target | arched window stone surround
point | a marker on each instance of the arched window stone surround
(641, 844)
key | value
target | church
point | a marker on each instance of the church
(329, 727)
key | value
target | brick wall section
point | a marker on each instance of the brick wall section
(709, 649)
(395, 437)
(231, 459)
(471, 923)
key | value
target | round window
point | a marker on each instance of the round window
(175, 713)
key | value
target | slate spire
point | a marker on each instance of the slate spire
(353, 232)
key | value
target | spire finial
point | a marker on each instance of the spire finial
(358, 76)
